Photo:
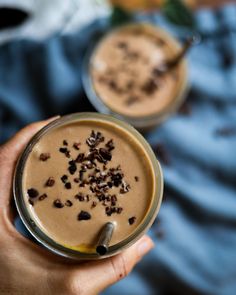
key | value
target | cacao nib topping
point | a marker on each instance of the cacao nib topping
(32, 193)
(68, 185)
(122, 45)
(84, 215)
(160, 42)
(136, 178)
(111, 210)
(105, 154)
(72, 167)
(109, 184)
(117, 179)
(76, 145)
(132, 99)
(113, 200)
(150, 86)
(81, 174)
(94, 139)
(68, 203)
(132, 220)
(92, 189)
(89, 165)
(113, 85)
(156, 72)
(80, 197)
(108, 211)
(94, 204)
(124, 188)
(50, 182)
(44, 157)
(119, 210)
(58, 204)
(64, 178)
(133, 55)
(101, 197)
(92, 155)
(108, 197)
(91, 170)
(130, 85)
(67, 154)
(42, 197)
(110, 145)
(31, 202)
(80, 158)
(63, 150)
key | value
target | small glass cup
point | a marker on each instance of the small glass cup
(32, 225)
(139, 122)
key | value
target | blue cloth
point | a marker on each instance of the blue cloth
(197, 147)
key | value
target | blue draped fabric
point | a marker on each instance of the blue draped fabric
(195, 237)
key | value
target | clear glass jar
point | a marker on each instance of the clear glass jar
(140, 122)
(31, 224)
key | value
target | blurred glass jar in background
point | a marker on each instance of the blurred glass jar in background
(121, 75)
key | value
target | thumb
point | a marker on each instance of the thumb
(9, 153)
(93, 277)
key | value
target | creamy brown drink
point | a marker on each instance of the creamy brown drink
(83, 174)
(124, 72)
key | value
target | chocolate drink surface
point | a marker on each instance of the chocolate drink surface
(80, 175)
(125, 76)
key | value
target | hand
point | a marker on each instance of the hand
(27, 268)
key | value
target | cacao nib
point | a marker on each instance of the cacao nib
(132, 220)
(106, 155)
(44, 157)
(50, 182)
(68, 203)
(58, 204)
(32, 192)
(84, 215)
(42, 197)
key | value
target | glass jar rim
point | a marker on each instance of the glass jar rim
(44, 239)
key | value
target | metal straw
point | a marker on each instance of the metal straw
(170, 64)
(104, 238)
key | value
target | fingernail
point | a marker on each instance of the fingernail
(144, 246)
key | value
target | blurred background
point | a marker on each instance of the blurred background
(42, 45)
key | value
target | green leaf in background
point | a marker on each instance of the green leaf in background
(178, 13)
(120, 16)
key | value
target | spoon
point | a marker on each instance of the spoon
(168, 65)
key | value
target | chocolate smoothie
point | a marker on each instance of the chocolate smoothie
(84, 174)
(124, 71)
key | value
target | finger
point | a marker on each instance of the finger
(9, 154)
(93, 277)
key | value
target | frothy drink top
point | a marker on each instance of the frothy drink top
(124, 71)
(81, 175)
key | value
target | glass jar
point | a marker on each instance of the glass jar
(31, 223)
(140, 121)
